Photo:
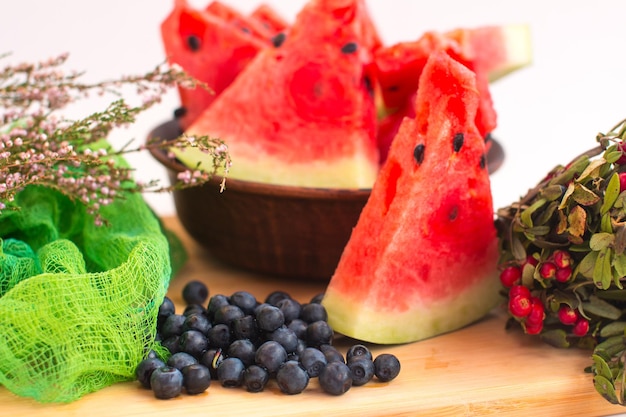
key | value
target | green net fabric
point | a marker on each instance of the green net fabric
(78, 302)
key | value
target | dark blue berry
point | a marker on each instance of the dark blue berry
(286, 337)
(274, 297)
(244, 300)
(219, 336)
(317, 298)
(196, 378)
(172, 344)
(145, 368)
(197, 321)
(312, 360)
(245, 328)
(166, 382)
(181, 359)
(166, 309)
(173, 325)
(291, 378)
(226, 314)
(243, 349)
(193, 342)
(358, 351)
(270, 355)
(291, 309)
(298, 326)
(313, 312)
(269, 318)
(195, 292)
(230, 372)
(335, 378)
(255, 378)
(212, 358)
(319, 333)
(386, 367)
(194, 309)
(332, 354)
(215, 303)
(362, 370)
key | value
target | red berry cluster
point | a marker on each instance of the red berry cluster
(528, 309)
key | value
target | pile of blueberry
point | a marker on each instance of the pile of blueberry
(241, 342)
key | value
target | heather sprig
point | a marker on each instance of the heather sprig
(39, 146)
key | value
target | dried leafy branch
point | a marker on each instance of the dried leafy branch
(38, 146)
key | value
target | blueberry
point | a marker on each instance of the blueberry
(243, 349)
(286, 337)
(335, 378)
(172, 344)
(195, 292)
(197, 321)
(215, 303)
(181, 359)
(274, 297)
(291, 309)
(212, 358)
(386, 367)
(312, 360)
(298, 326)
(255, 378)
(332, 354)
(193, 342)
(312, 312)
(245, 328)
(230, 372)
(269, 318)
(166, 382)
(361, 369)
(173, 325)
(219, 336)
(226, 314)
(291, 378)
(317, 298)
(194, 309)
(166, 309)
(196, 378)
(145, 368)
(358, 351)
(319, 333)
(270, 355)
(244, 300)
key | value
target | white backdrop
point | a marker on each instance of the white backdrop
(548, 113)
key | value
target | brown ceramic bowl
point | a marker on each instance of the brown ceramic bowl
(294, 232)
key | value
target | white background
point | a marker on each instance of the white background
(548, 113)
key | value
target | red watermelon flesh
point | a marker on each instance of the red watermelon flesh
(490, 51)
(290, 117)
(269, 18)
(238, 19)
(209, 48)
(422, 258)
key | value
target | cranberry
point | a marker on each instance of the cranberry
(520, 306)
(581, 327)
(537, 311)
(622, 180)
(622, 159)
(563, 274)
(531, 260)
(519, 290)
(562, 258)
(547, 270)
(533, 328)
(567, 315)
(510, 275)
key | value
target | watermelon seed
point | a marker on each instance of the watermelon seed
(483, 162)
(193, 42)
(418, 153)
(457, 142)
(349, 48)
(180, 112)
(278, 40)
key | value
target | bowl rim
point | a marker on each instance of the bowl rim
(171, 129)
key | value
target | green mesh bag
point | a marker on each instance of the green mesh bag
(78, 302)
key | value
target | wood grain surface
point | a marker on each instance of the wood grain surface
(479, 370)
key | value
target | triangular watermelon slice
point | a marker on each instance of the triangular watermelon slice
(301, 113)
(422, 259)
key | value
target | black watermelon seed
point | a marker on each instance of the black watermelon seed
(179, 112)
(418, 153)
(349, 48)
(483, 162)
(453, 214)
(457, 142)
(278, 39)
(193, 42)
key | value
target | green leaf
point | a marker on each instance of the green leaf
(584, 196)
(526, 216)
(620, 239)
(591, 170)
(601, 308)
(571, 171)
(602, 271)
(553, 192)
(556, 338)
(566, 195)
(600, 241)
(614, 328)
(605, 388)
(601, 368)
(611, 194)
(606, 224)
(612, 155)
(587, 264)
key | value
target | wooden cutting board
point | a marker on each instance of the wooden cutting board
(479, 370)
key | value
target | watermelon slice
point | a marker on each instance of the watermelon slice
(211, 48)
(269, 18)
(490, 51)
(422, 259)
(291, 118)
